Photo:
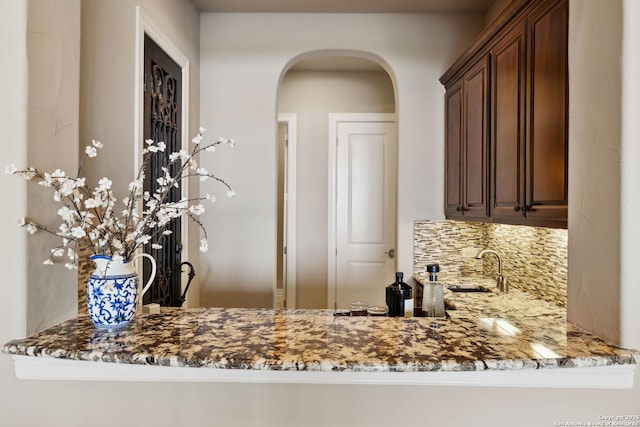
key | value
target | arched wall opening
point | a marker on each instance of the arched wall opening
(312, 86)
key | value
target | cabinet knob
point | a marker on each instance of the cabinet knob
(528, 208)
(517, 208)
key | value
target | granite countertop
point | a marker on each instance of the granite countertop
(513, 304)
(316, 340)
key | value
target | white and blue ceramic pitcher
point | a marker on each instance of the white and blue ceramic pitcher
(113, 290)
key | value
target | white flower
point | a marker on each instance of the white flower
(210, 149)
(197, 139)
(135, 185)
(11, 169)
(210, 197)
(93, 202)
(182, 155)
(67, 187)
(66, 213)
(143, 240)
(57, 252)
(156, 246)
(31, 228)
(149, 141)
(78, 232)
(231, 193)
(47, 261)
(161, 146)
(58, 174)
(91, 151)
(104, 184)
(167, 232)
(204, 246)
(71, 266)
(202, 130)
(196, 209)
(156, 148)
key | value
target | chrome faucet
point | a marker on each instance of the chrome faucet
(501, 280)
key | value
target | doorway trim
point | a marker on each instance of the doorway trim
(334, 120)
(146, 25)
(290, 119)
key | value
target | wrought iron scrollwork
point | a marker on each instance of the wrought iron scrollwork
(192, 274)
(164, 115)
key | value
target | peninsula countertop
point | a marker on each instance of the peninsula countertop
(316, 340)
(488, 334)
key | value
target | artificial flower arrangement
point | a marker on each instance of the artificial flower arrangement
(91, 218)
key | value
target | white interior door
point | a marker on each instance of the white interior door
(365, 216)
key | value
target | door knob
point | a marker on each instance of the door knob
(391, 253)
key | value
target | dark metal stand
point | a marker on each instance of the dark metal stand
(192, 274)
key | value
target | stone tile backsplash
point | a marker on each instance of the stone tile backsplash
(534, 259)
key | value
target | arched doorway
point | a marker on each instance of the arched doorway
(315, 86)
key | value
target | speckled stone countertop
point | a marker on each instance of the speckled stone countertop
(316, 340)
(513, 304)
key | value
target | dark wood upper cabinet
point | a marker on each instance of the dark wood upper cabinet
(508, 125)
(466, 149)
(476, 159)
(453, 151)
(510, 94)
(547, 139)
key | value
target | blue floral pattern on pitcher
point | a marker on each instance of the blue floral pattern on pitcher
(113, 291)
(112, 300)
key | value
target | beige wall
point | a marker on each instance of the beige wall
(595, 43)
(312, 96)
(629, 194)
(53, 46)
(243, 58)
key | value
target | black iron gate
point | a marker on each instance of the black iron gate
(163, 122)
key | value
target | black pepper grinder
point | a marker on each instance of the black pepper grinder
(399, 298)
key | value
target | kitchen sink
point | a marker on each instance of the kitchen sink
(461, 288)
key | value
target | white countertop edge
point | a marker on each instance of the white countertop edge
(600, 377)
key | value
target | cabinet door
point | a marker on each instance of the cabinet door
(547, 148)
(475, 157)
(507, 125)
(453, 151)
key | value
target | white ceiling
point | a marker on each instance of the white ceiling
(343, 6)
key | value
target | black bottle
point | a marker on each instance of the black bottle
(399, 297)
